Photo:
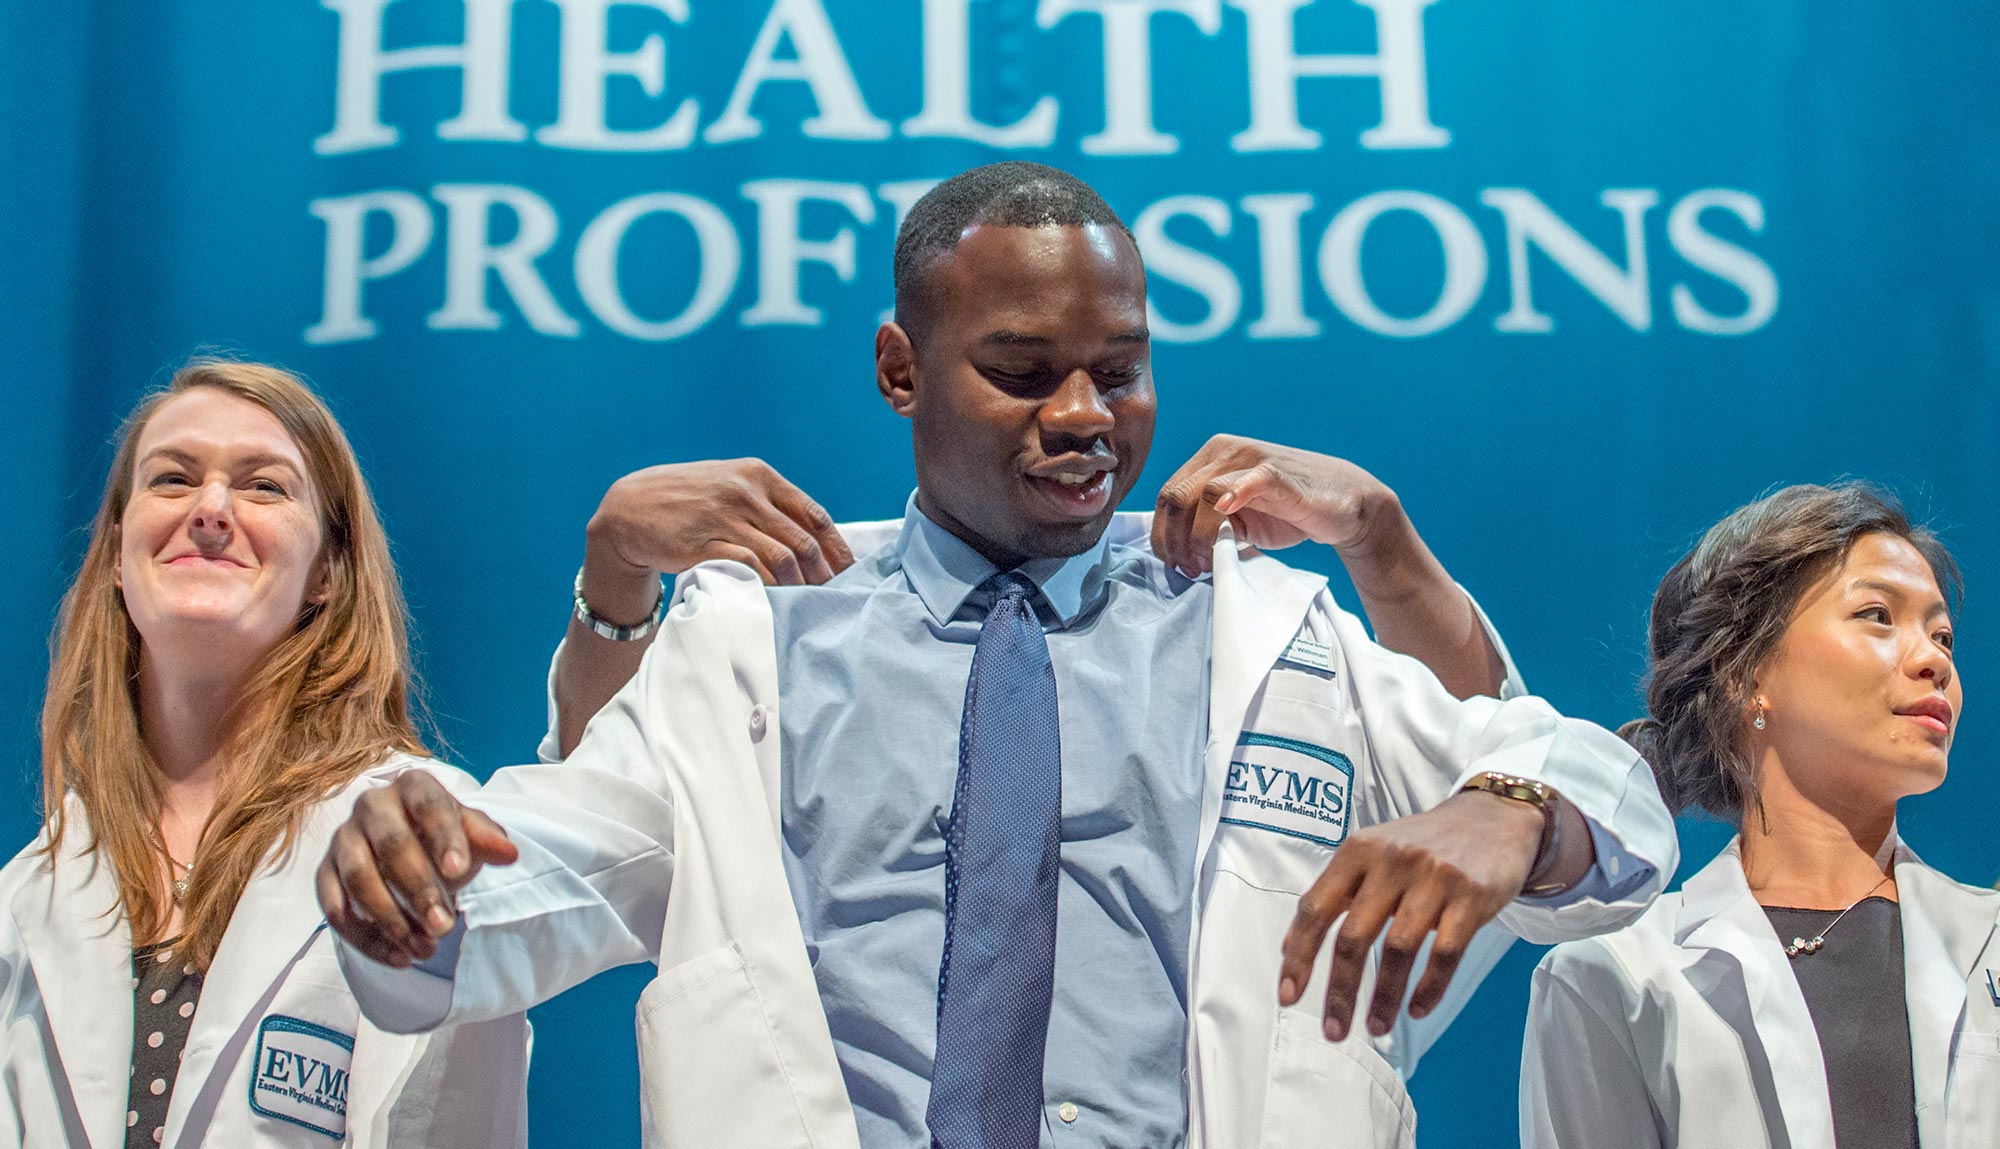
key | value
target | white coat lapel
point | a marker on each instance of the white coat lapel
(1946, 928)
(81, 951)
(1744, 975)
(276, 920)
(1259, 605)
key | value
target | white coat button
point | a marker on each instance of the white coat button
(1066, 1111)
(757, 723)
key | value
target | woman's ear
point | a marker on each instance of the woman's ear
(896, 368)
(320, 588)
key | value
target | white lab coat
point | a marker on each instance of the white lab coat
(1689, 1028)
(273, 1007)
(658, 839)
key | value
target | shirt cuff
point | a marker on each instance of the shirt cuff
(412, 1000)
(1616, 874)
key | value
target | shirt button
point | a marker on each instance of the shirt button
(757, 723)
(1067, 1111)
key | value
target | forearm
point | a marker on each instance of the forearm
(1414, 606)
(592, 668)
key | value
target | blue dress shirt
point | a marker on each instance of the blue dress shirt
(872, 669)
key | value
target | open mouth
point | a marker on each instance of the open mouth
(1073, 495)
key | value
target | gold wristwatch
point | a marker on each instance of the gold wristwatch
(1543, 798)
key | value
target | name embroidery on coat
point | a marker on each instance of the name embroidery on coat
(1289, 787)
(300, 1074)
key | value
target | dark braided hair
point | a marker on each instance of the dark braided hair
(1721, 611)
(1014, 193)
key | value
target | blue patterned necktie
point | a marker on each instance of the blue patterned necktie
(1002, 852)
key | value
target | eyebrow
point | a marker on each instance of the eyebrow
(1005, 337)
(248, 462)
(1937, 606)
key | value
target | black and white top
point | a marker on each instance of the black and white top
(1854, 989)
(164, 992)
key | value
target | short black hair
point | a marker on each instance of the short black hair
(1013, 193)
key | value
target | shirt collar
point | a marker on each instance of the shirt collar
(945, 571)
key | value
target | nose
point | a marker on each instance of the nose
(1077, 409)
(1928, 660)
(213, 520)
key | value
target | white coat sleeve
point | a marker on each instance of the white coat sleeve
(596, 836)
(1424, 745)
(1580, 1081)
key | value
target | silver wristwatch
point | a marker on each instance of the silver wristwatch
(612, 630)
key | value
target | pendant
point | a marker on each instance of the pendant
(179, 887)
(1802, 946)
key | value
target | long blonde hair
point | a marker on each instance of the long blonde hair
(326, 704)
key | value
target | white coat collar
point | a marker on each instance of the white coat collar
(1946, 928)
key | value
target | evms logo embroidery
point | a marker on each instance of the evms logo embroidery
(301, 1074)
(1289, 787)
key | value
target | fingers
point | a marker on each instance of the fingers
(1415, 916)
(817, 524)
(1454, 933)
(1242, 490)
(1173, 520)
(387, 819)
(792, 548)
(434, 816)
(490, 844)
(1367, 913)
(1318, 907)
(359, 932)
(737, 552)
(365, 912)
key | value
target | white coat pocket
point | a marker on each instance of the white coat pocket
(1327, 1094)
(1972, 1098)
(1289, 792)
(705, 1043)
(301, 1057)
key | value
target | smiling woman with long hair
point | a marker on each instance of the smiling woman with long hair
(229, 671)
(1816, 983)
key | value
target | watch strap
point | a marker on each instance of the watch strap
(1543, 798)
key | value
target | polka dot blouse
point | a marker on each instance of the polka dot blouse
(165, 990)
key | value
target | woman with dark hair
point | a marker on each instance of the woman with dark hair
(1816, 983)
(228, 674)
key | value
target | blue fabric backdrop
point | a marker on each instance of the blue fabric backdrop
(1575, 278)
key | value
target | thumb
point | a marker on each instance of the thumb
(488, 843)
(1260, 487)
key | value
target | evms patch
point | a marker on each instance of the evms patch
(301, 1074)
(1288, 787)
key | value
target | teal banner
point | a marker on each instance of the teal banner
(1575, 278)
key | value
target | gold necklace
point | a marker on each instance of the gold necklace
(178, 886)
(1803, 946)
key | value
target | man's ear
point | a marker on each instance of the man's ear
(896, 368)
